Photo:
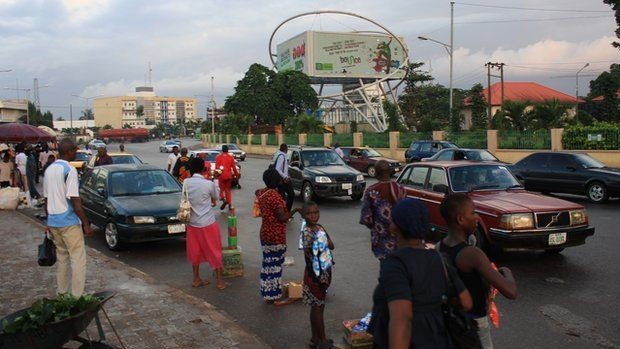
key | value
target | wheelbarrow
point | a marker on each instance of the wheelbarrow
(54, 335)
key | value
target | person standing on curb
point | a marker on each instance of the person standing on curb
(20, 164)
(66, 220)
(285, 188)
(472, 264)
(225, 165)
(379, 199)
(172, 158)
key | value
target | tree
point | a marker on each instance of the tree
(391, 111)
(294, 94)
(479, 119)
(303, 124)
(234, 124)
(549, 114)
(408, 101)
(107, 127)
(127, 126)
(512, 116)
(60, 118)
(87, 114)
(606, 85)
(140, 111)
(34, 117)
(615, 5)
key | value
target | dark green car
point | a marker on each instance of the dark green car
(319, 172)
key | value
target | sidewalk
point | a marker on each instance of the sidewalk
(147, 314)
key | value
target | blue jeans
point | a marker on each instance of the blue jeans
(484, 331)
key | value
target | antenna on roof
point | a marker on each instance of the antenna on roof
(150, 71)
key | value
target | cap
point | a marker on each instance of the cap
(4, 147)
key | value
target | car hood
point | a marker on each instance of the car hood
(332, 170)
(147, 205)
(606, 170)
(521, 201)
(377, 158)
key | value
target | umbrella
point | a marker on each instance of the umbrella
(15, 133)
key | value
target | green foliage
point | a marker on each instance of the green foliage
(512, 116)
(46, 311)
(515, 139)
(107, 127)
(140, 111)
(468, 139)
(377, 140)
(36, 118)
(549, 114)
(391, 111)
(87, 114)
(233, 124)
(615, 5)
(606, 85)
(353, 127)
(479, 108)
(406, 138)
(303, 124)
(271, 97)
(587, 137)
(127, 126)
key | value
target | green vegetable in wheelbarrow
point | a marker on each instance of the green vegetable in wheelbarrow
(47, 310)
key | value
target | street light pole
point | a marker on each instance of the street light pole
(212, 110)
(577, 83)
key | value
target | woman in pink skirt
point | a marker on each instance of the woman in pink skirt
(204, 243)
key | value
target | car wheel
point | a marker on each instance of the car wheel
(372, 172)
(307, 194)
(112, 237)
(357, 197)
(597, 192)
(554, 250)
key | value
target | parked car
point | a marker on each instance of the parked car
(233, 150)
(210, 155)
(117, 158)
(133, 203)
(509, 217)
(364, 159)
(166, 146)
(571, 173)
(425, 149)
(319, 172)
(96, 143)
(462, 154)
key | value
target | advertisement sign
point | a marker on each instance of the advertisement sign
(356, 55)
(292, 54)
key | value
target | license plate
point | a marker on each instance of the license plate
(557, 239)
(176, 228)
(347, 185)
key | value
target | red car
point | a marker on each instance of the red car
(509, 217)
(364, 159)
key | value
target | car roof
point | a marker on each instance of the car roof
(130, 167)
(303, 147)
(456, 163)
(120, 154)
(204, 151)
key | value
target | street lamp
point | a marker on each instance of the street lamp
(449, 49)
(86, 98)
(577, 83)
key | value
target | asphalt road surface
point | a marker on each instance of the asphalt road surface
(565, 301)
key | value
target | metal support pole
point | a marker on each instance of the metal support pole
(212, 109)
(451, 53)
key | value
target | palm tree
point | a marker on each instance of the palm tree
(549, 114)
(513, 115)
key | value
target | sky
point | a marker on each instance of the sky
(103, 47)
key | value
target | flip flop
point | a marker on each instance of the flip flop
(222, 287)
(280, 303)
(202, 283)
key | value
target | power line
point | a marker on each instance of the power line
(568, 63)
(535, 19)
(533, 8)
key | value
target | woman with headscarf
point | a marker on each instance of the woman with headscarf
(412, 282)
(272, 235)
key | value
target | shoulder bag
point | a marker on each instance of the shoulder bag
(185, 208)
(47, 252)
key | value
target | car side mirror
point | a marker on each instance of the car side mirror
(440, 188)
(101, 191)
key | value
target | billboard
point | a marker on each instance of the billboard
(342, 55)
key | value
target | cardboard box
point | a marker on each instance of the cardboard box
(232, 263)
(356, 339)
(293, 289)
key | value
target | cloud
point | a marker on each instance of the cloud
(84, 10)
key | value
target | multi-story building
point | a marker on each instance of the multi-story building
(122, 110)
(12, 109)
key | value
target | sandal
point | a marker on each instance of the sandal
(201, 283)
(222, 286)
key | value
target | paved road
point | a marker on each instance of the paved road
(568, 300)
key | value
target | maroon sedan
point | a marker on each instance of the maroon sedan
(364, 160)
(509, 217)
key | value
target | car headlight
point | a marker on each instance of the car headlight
(578, 217)
(322, 179)
(360, 177)
(143, 219)
(517, 221)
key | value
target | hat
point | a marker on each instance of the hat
(4, 147)
(412, 219)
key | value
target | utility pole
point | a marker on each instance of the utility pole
(577, 83)
(71, 117)
(35, 94)
(212, 109)
(500, 67)
(489, 104)
(451, 54)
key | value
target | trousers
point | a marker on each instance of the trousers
(70, 259)
(225, 193)
(288, 193)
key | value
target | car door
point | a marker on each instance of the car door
(557, 175)
(357, 160)
(414, 178)
(295, 173)
(100, 196)
(432, 196)
(447, 154)
(532, 171)
(87, 193)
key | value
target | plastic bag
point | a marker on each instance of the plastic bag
(9, 198)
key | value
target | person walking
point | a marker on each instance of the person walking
(227, 168)
(285, 188)
(203, 240)
(338, 150)
(473, 265)
(44, 155)
(376, 214)
(102, 157)
(274, 216)
(181, 170)
(66, 220)
(31, 174)
(412, 283)
(121, 148)
(6, 170)
(21, 159)
(172, 158)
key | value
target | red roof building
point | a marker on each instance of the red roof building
(601, 98)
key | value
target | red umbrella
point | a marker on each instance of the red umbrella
(15, 133)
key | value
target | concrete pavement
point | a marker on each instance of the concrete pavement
(145, 312)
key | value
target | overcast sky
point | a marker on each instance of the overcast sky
(103, 47)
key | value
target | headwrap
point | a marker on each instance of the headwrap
(412, 219)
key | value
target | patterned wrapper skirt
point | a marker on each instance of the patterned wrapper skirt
(271, 271)
(204, 244)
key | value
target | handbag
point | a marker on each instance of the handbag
(462, 330)
(185, 208)
(47, 252)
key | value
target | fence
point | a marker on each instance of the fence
(469, 139)
(256, 139)
(377, 140)
(272, 139)
(314, 140)
(405, 139)
(344, 139)
(591, 139)
(509, 139)
(290, 138)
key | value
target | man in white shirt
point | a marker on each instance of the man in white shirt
(20, 164)
(44, 154)
(338, 150)
(66, 220)
(286, 187)
(172, 158)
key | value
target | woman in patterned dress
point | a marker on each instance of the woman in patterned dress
(272, 235)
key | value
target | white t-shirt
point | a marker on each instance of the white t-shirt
(43, 157)
(172, 159)
(20, 163)
(57, 190)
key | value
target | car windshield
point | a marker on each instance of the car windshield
(587, 161)
(321, 158)
(371, 153)
(232, 147)
(449, 145)
(171, 143)
(482, 177)
(480, 155)
(81, 157)
(133, 183)
(125, 159)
